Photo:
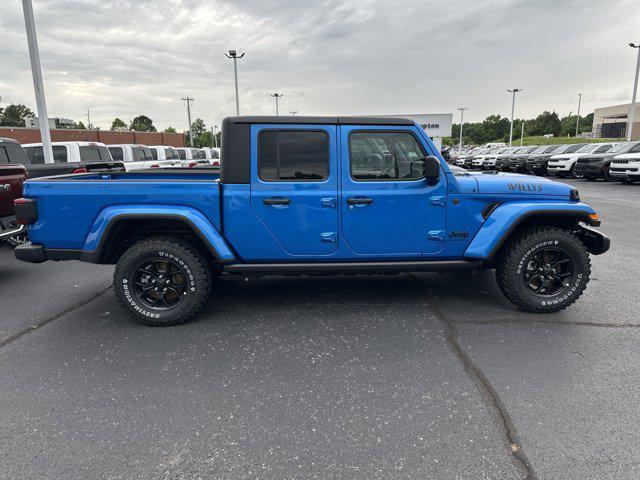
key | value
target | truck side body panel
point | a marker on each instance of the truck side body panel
(68, 208)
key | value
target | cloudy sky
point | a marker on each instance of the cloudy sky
(121, 58)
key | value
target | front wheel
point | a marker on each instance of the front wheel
(575, 174)
(544, 270)
(162, 281)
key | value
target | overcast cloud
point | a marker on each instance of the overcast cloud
(124, 58)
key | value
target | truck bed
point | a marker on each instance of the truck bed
(75, 204)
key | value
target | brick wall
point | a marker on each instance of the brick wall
(32, 135)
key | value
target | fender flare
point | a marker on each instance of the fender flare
(505, 219)
(98, 233)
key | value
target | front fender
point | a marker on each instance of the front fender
(109, 216)
(505, 218)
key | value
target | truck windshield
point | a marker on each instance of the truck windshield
(171, 153)
(140, 154)
(95, 153)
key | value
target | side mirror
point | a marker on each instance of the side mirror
(431, 168)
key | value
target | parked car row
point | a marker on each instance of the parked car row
(607, 160)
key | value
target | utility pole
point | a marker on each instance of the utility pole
(578, 119)
(88, 120)
(632, 108)
(38, 85)
(293, 112)
(513, 106)
(233, 54)
(215, 135)
(213, 138)
(188, 101)
(277, 96)
(462, 109)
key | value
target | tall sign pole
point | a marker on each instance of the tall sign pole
(36, 71)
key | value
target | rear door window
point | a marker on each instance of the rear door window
(59, 153)
(154, 153)
(4, 156)
(293, 155)
(89, 154)
(182, 154)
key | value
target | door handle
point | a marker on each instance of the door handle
(276, 201)
(359, 201)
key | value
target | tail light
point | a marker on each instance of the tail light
(154, 166)
(192, 164)
(79, 170)
(26, 210)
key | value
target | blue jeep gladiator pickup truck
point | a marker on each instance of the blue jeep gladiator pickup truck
(308, 196)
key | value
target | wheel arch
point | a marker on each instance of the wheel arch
(112, 234)
(509, 219)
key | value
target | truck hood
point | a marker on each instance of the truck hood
(517, 184)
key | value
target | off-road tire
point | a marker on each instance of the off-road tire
(521, 248)
(186, 256)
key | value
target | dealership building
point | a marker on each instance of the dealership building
(611, 122)
(437, 125)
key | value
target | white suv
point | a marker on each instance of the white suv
(626, 167)
(136, 156)
(564, 165)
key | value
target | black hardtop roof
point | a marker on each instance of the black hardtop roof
(321, 120)
(8, 140)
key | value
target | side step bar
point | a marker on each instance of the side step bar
(352, 267)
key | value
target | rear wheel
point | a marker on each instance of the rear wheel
(606, 174)
(162, 281)
(544, 270)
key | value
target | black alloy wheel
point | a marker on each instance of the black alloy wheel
(548, 272)
(159, 283)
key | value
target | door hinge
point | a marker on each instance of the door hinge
(436, 235)
(328, 202)
(329, 237)
(439, 200)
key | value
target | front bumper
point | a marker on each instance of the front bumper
(595, 242)
(589, 168)
(558, 167)
(625, 172)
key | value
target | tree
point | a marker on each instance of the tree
(545, 123)
(142, 123)
(170, 130)
(201, 134)
(14, 115)
(118, 124)
(78, 125)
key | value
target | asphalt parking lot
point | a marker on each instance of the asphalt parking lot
(409, 376)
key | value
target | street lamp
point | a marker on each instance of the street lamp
(513, 106)
(233, 54)
(462, 109)
(578, 119)
(188, 101)
(632, 108)
(36, 72)
(277, 96)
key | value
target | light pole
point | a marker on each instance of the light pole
(462, 109)
(293, 112)
(188, 101)
(632, 108)
(215, 136)
(277, 96)
(578, 119)
(233, 54)
(522, 133)
(38, 86)
(513, 106)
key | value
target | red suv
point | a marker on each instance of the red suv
(12, 175)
